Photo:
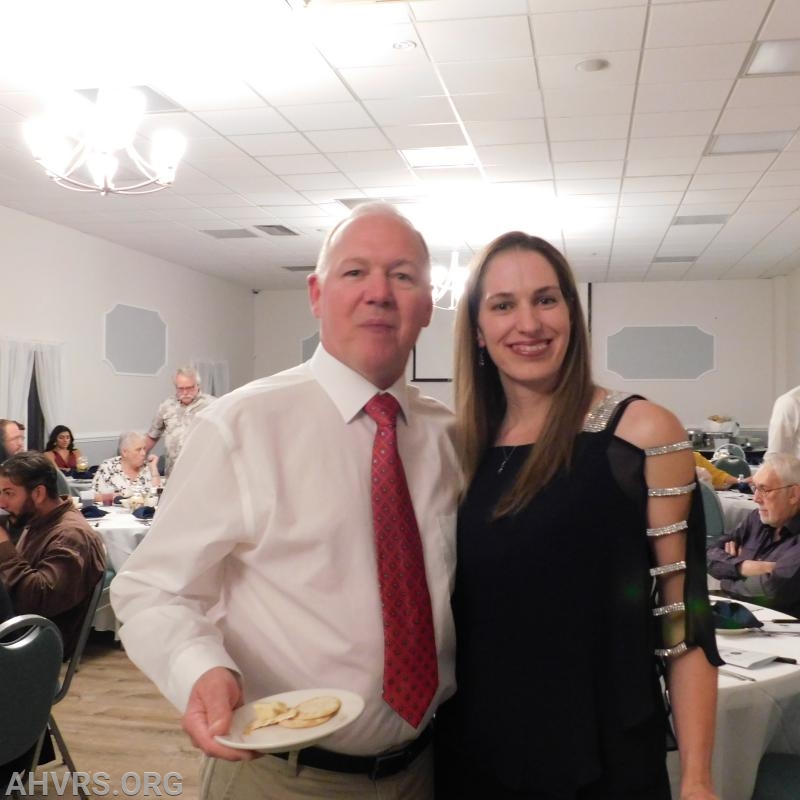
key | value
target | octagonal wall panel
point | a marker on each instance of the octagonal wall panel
(660, 352)
(135, 341)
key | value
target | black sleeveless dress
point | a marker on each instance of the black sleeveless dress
(558, 685)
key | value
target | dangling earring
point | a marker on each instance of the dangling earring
(481, 359)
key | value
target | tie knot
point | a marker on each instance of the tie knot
(383, 409)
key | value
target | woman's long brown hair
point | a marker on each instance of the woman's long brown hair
(480, 400)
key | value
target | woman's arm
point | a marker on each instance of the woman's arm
(51, 455)
(691, 679)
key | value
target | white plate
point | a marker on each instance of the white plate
(275, 739)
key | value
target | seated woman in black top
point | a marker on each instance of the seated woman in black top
(580, 568)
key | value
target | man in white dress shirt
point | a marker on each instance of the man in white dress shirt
(784, 424)
(259, 574)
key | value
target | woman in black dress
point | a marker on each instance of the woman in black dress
(581, 565)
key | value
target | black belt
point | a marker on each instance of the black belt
(381, 766)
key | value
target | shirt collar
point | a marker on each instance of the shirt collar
(349, 390)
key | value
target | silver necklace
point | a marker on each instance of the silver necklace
(507, 453)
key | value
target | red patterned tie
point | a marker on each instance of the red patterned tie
(410, 671)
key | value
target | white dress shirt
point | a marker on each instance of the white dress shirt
(784, 425)
(261, 557)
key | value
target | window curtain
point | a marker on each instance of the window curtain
(47, 362)
(214, 377)
(17, 360)
(16, 369)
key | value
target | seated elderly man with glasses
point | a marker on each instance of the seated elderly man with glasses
(759, 560)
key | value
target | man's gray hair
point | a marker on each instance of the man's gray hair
(785, 465)
(188, 372)
(376, 209)
(127, 438)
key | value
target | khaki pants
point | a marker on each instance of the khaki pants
(271, 778)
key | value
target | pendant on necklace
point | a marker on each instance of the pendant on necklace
(507, 453)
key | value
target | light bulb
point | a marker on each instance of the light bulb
(102, 167)
(117, 114)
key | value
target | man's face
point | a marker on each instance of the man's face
(775, 507)
(186, 389)
(14, 438)
(16, 501)
(374, 297)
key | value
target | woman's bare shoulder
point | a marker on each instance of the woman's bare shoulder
(646, 424)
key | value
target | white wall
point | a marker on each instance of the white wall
(741, 315)
(790, 290)
(57, 284)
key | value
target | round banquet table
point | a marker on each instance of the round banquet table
(121, 532)
(753, 716)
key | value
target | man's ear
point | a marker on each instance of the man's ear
(38, 494)
(314, 293)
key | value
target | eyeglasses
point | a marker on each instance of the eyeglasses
(180, 389)
(764, 490)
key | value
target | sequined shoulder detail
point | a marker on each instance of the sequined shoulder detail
(598, 416)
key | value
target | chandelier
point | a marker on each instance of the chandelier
(84, 146)
(448, 283)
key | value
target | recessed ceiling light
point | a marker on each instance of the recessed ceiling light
(674, 259)
(774, 58)
(701, 219)
(460, 156)
(727, 143)
(405, 44)
(593, 65)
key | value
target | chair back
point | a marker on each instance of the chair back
(30, 660)
(83, 635)
(712, 510)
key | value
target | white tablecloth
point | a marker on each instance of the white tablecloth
(753, 717)
(121, 532)
(735, 507)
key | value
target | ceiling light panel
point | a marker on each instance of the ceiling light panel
(774, 58)
(735, 143)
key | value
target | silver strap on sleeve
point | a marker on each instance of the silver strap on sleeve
(665, 530)
(672, 608)
(672, 491)
(664, 449)
(671, 652)
(668, 569)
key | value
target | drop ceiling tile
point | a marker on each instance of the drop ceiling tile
(663, 183)
(715, 195)
(324, 196)
(212, 93)
(686, 64)
(775, 193)
(498, 107)
(766, 90)
(367, 40)
(223, 168)
(684, 96)
(644, 167)
(518, 131)
(711, 22)
(410, 111)
(561, 70)
(598, 31)
(327, 116)
(650, 198)
(297, 165)
(673, 123)
(471, 77)
(450, 176)
(783, 21)
(512, 154)
(301, 82)
(545, 6)
(588, 169)
(371, 83)
(787, 161)
(213, 147)
(371, 160)
(757, 120)
(781, 178)
(534, 171)
(570, 129)
(595, 186)
(349, 140)
(580, 102)
(668, 147)
(383, 179)
(722, 180)
(590, 150)
(747, 162)
(454, 9)
(441, 135)
(328, 180)
(186, 124)
(274, 144)
(493, 38)
(245, 121)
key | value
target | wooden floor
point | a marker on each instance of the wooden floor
(114, 720)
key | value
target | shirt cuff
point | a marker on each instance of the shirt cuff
(188, 665)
